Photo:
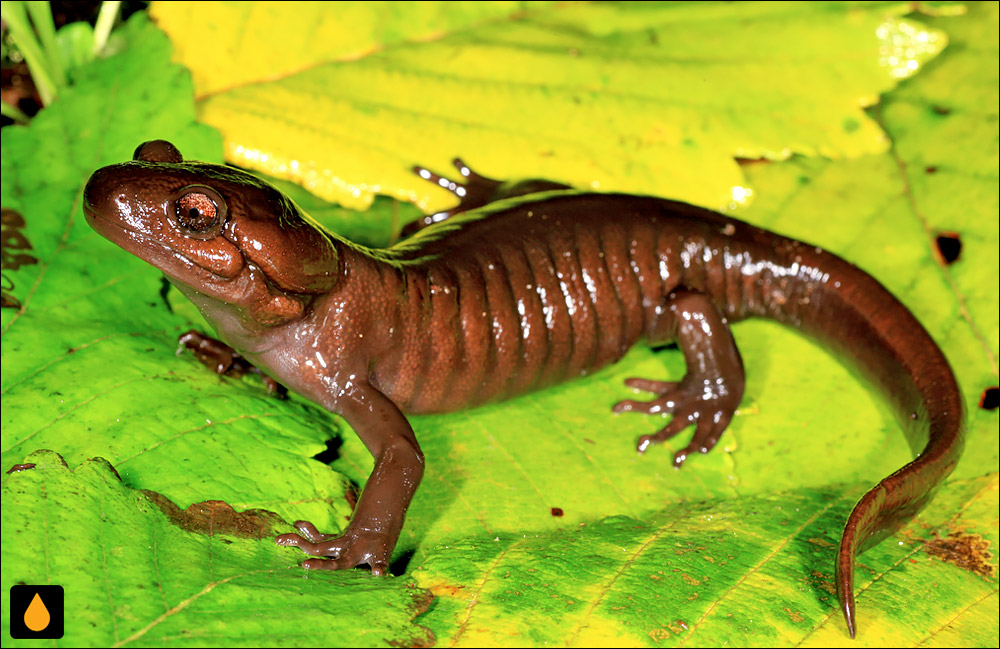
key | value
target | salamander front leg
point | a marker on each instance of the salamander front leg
(708, 395)
(224, 360)
(371, 535)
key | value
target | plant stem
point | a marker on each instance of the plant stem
(24, 37)
(41, 17)
(14, 113)
(105, 21)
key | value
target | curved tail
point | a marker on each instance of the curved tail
(914, 374)
(851, 312)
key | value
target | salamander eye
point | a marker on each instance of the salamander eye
(196, 211)
(200, 211)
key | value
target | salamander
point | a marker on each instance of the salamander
(508, 296)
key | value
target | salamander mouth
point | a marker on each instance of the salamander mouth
(170, 260)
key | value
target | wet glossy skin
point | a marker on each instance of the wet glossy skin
(522, 294)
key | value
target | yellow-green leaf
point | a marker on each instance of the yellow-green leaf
(652, 99)
(229, 44)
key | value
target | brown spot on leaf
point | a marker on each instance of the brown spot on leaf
(749, 162)
(794, 616)
(446, 589)
(968, 551)
(421, 635)
(677, 627)
(817, 579)
(14, 248)
(214, 517)
(820, 542)
(690, 580)
(659, 635)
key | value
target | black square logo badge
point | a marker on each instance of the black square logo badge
(36, 612)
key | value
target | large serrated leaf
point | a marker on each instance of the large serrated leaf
(645, 99)
(751, 570)
(85, 309)
(227, 44)
(118, 558)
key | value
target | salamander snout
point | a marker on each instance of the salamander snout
(99, 192)
(131, 195)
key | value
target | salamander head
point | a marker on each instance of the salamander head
(204, 225)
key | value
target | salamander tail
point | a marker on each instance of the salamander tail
(851, 313)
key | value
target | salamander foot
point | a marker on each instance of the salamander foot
(224, 360)
(706, 404)
(351, 549)
(474, 191)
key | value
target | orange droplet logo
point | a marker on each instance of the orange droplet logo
(36, 617)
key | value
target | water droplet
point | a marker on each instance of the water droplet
(37, 616)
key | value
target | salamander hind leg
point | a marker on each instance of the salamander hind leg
(474, 191)
(708, 395)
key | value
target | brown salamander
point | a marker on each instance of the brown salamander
(522, 293)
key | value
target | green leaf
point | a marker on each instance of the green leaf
(89, 367)
(78, 316)
(76, 44)
(944, 134)
(119, 555)
(752, 571)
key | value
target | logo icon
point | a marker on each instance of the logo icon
(36, 612)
